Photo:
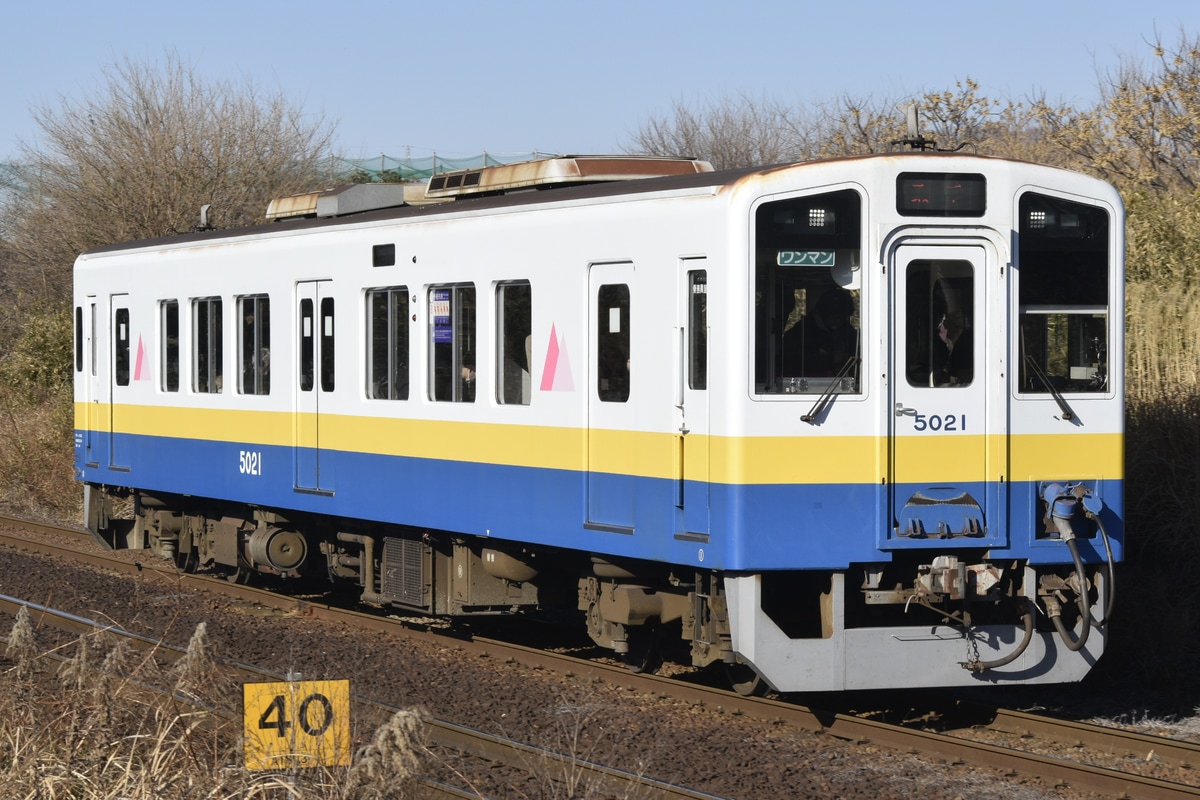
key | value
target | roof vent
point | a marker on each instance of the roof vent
(343, 200)
(558, 171)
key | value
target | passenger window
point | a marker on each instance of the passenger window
(939, 323)
(121, 346)
(169, 331)
(207, 351)
(698, 328)
(255, 346)
(79, 338)
(1062, 275)
(308, 348)
(387, 343)
(612, 343)
(514, 329)
(452, 343)
(807, 303)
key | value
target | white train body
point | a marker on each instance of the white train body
(716, 404)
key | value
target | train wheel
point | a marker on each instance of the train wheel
(187, 562)
(645, 649)
(744, 679)
(239, 575)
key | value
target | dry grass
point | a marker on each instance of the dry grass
(1156, 627)
(1162, 459)
(1163, 332)
(87, 729)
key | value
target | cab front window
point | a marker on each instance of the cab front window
(1063, 275)
(807, 294)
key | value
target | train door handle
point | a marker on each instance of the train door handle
(901, 410)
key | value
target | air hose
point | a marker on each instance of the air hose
(1085, 611)
(975, 665)
(1061, 501)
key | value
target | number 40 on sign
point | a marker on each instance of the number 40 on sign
(296, 724)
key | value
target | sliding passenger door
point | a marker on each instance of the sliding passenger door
(692, 439)
(314, 384)
(120, 415)
(97, 427)
(611, 438)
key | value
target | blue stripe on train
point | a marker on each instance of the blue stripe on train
(750, 527)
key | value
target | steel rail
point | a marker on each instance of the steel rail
(1105, 739)
(1109, 782)
(1172, 752)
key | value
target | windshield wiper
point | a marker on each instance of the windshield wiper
(1067, 413)
(825, 399)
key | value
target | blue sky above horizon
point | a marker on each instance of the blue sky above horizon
(461, 77)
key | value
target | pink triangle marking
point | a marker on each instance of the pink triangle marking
(141, 359)
(563, 379)
(551, 364)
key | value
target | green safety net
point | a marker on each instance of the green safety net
(384, 168)
(380, 169)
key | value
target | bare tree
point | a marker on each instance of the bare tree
(730, 132)
(1145, 132)
(742, 131)
(856, 126)
(140, 157)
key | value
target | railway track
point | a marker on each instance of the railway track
(1100, 759)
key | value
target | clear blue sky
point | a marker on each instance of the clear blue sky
(463, 76)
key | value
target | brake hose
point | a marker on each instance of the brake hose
(975, 665)
(1085, 611)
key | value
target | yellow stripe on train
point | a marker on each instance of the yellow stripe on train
(729, 460)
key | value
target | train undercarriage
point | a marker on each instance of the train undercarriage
(637, 609)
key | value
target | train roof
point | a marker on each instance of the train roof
(351, 205)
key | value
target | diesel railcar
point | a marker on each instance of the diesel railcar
(846, 424)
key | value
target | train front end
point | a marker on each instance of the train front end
(927, 479)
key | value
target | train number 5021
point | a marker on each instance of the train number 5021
(250, 462)
(940, 422)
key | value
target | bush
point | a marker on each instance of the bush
(37, 418)
(39, 362)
